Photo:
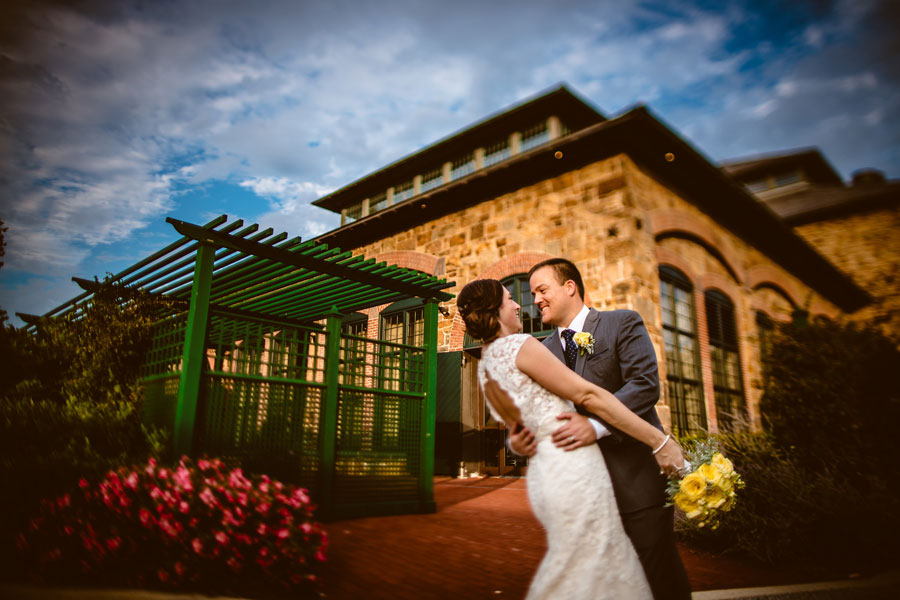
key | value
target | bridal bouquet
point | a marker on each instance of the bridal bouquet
(709, 488)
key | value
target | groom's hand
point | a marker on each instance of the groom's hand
(575, 433)
(522, 442)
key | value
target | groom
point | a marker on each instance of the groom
(623, 362)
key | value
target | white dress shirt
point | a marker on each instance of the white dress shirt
(577, 325)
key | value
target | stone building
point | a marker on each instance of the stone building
(857, 227)
(652, 225)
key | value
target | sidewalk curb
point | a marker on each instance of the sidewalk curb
(885, 585)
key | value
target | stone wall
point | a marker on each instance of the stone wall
(618, 225)
(866, 246)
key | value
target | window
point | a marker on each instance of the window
(402, 323)
(726, 363)
(788, 178)
(495, 153)
(431, 180)
(462, 166)
(520, 290)
(401, 369)
(354, 213)
(758, 186)
(356, 407)
(682, 357)
(377, 203)
(403, 191)
(534, 136)
(353, 349)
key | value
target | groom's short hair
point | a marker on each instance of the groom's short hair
(564, 269)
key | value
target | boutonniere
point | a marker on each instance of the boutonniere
(584, 341)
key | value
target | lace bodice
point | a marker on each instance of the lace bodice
(538, 406)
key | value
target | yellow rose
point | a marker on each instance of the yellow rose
(723, 463)
(715, 497)
(693, 486)
(712, 472)
(725, 484)
(683, 503)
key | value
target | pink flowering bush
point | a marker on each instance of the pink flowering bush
(195, 526)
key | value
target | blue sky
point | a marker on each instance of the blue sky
(116, 115)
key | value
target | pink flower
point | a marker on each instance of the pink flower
(144, 515)
(306, 527)
(203, 464)
(155, 493)
(207, 497)
(151, 466)
(166, 525)
(180, 569)
(263, 508)
(163, 473)
(113, 543)
(182, 479)
(261, 530)
(234, 564)
(197, 545)
(183, 507)
(320, 556)
(132, 480)
(283, 533)
(264, 487)
(221, 537)
(82, 483)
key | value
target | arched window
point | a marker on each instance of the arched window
(726, 361)
(520, 290)
(682, 353)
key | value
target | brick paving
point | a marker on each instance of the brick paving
(483, 542)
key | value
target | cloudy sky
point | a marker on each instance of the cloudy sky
(115, 115)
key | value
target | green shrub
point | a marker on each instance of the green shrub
(821, 487)
(70, 403)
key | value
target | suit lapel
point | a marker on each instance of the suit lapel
(590, 325)
(555, 346)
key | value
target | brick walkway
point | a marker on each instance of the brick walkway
(483, 542)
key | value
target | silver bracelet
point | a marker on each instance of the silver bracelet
(664, 442)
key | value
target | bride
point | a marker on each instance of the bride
(589, 555)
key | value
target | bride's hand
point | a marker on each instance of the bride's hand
(670, 458)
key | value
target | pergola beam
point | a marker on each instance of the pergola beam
(305, 262)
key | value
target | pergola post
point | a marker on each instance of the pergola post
(426, 461)
(328, 423)
(194, 350)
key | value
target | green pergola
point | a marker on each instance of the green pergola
(253, 364)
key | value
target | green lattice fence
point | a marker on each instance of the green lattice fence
(261, 403)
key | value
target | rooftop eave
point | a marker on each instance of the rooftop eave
(647, 141)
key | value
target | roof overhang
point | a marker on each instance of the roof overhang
(647, 141)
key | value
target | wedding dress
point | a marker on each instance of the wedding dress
(589, 555)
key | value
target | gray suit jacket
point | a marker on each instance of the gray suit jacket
(624, 363)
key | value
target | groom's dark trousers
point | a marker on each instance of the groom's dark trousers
(624, 363)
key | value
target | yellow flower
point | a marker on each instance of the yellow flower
(712, 472)
(723, 463)
(693, 485)
(585, 342)
(715, 497)
(725, 484)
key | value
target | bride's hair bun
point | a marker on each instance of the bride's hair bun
(479, 306)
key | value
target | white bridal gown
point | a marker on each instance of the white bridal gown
(589, 555)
